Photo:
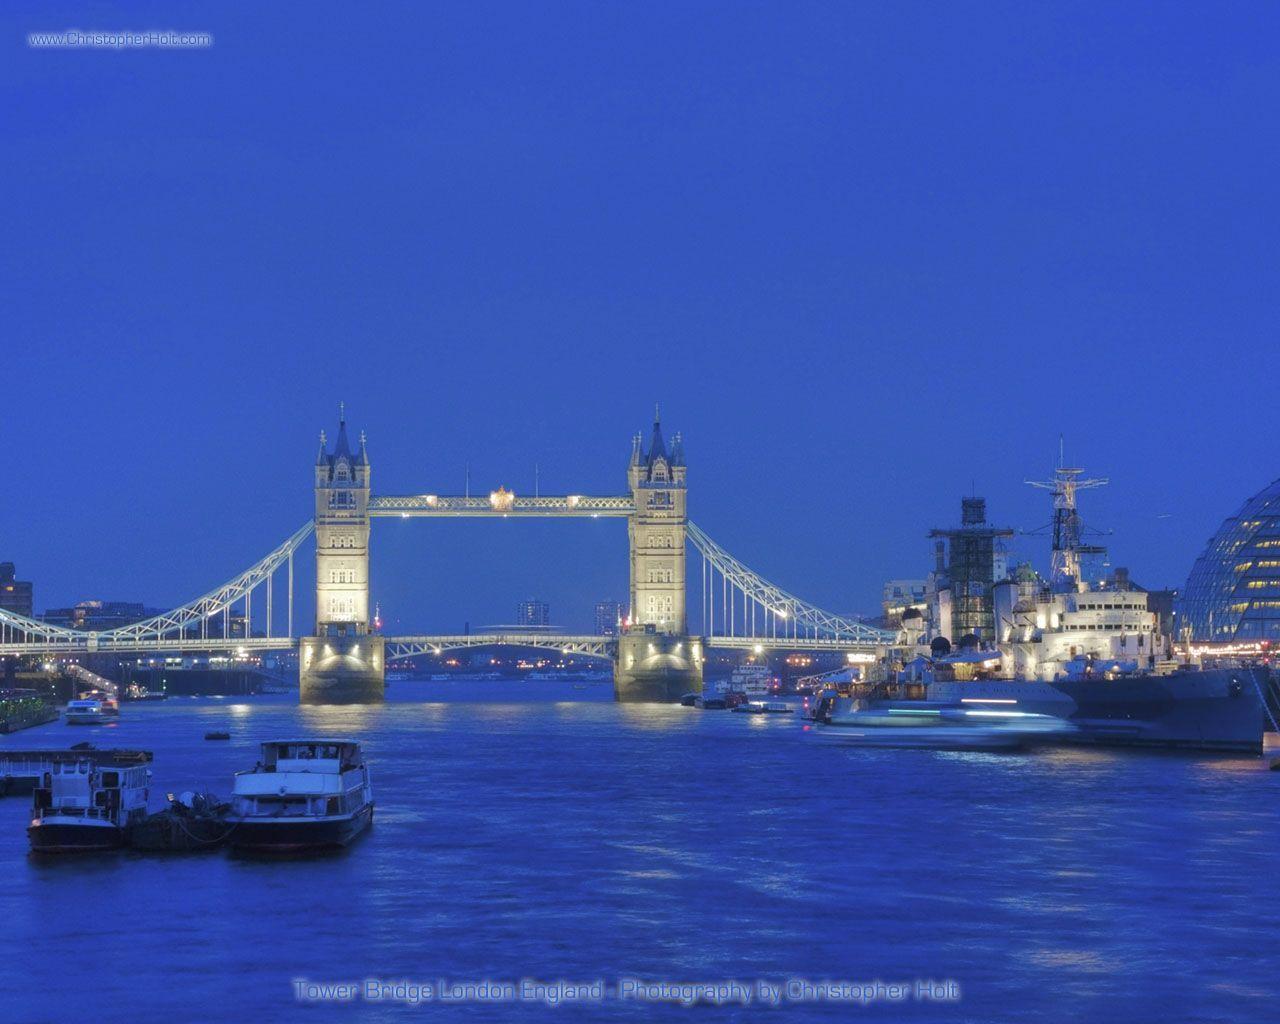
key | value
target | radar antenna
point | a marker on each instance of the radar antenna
(1068, 528)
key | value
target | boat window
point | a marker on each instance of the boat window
(111, 779)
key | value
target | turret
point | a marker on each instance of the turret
(342, 482)
(658, 479)
(342, 663)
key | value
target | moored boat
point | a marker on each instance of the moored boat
(764, 707)
(302, 795)
(192, 822)
(85, 805)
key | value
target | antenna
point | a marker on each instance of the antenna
(467, 475)
(1067, 525)
(342, 412)
(535, 480)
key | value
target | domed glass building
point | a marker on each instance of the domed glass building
(1233, 592)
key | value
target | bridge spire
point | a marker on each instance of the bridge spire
(657, 447)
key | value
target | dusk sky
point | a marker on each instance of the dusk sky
(869, 258)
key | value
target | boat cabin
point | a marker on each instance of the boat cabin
(310, 756)
(303, 778)
(82, 789)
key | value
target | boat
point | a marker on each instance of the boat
(718, 701)
(939, 726)
(88, 804)
(764, 707)
(752, 681)
(217, 735)
(191, 822)
(1094, 656)
(1093, 653)
(690, 699)
(88, 711)
(1191, 708)
(107, 698)
(306, 794)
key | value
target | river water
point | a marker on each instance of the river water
(540, 831)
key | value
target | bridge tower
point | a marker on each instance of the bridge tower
(343, 663)
(657, 660)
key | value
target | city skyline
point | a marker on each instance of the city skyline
(853, 326)
(1028, 544)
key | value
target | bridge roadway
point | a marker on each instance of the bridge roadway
(502, 504)
(407, 646)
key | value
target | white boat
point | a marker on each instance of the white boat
(939, 727)
(85, 712)
(85, 805)
(753, 680)
(764, 707)
(303, 794)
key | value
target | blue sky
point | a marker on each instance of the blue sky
(868, 257)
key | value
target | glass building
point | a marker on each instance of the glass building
(1233, 592)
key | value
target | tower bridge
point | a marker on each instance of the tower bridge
(656, 656)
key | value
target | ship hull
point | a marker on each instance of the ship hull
(1219, 710)
(77, 837)
(266, 835)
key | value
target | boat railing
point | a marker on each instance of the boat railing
(100, 813)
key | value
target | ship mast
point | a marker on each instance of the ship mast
(1068, 547)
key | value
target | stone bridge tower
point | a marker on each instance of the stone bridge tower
(657, 660)
(343, 662)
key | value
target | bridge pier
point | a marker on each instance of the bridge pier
(341, 670)
(656, 668)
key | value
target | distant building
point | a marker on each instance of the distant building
(608, 615)
(970, 560)
(533, 613)
(900, 595)
(99, 615)
(15, 595)
(1233, 592)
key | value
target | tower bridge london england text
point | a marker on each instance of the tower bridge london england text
(623, 513)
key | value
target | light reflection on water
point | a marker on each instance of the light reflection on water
(574, 837)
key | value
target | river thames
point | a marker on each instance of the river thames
(542, 832)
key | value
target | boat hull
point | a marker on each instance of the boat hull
(922, 737)
(296, 835)
(74, 837)
(1218, 710)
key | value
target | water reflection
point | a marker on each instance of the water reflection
(558, 838)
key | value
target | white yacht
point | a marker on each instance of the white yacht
(88, 803)
(87, 711)
(303, 794)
